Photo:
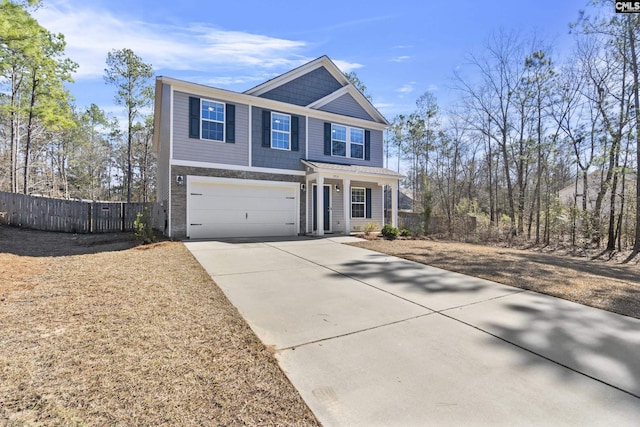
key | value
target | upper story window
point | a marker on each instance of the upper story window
(280, 131)
(356, 139)
(212, 115)
(338, 140)
(211, 120)
(347, 142)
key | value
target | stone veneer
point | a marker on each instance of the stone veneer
(179, 192)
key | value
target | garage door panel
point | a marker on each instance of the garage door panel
(245, 205)
(248, 204)
(239, 230)
(248, 217)
(239, 210)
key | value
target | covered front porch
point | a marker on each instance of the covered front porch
(351, 198)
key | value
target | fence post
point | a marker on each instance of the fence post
(90, 217)
(124, 216)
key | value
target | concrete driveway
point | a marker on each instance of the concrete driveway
(373, 340)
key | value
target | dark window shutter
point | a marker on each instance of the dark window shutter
(367, 145)
(327, 139)
(230, 123)
(194, 117)
(295, 145)
(266, 128)
(368, 203)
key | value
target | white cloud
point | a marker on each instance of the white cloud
(406, 88)
(346, 66)
(400, 58)
(92, 33)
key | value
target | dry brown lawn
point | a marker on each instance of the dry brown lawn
(97, 331)
(605, 283)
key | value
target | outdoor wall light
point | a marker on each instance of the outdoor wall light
(337, 188)
(180, 179)
(303, 187)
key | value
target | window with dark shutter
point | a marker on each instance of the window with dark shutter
(327, 139)
(266, 128)
(295, 145)
(367, 145)
(230, 123)
(194, 117)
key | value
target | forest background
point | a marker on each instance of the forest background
(535, 147)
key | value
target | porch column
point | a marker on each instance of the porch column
(346, 188)
(320, 205)
(308, 190)
(394, 204)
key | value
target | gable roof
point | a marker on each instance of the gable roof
(334, 71)
(326, 167)
(282, 79)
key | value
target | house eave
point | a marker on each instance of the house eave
(243, 98)
(355, 93)
(352, 172)
(282, 79)
(157, 115)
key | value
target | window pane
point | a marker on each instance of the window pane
(357, 151)
(280, 122)
(357, 135)
(213, 111)
(338, 132)
(212, 130)
(357, 210)
(338, 148)
(280, 140)
(357, 195)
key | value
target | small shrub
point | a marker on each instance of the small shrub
(142, 227)
(370, 228)
(390, 232)
(405, 233)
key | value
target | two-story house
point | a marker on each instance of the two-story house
(299, 154)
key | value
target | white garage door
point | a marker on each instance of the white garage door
(241, 209)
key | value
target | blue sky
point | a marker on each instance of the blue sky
(399, 49)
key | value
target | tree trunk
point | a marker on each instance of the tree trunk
(15, 130)
(636, 104)
(27, 147)
(622, 204)
(540, 170)
(492, 209)
(507, 174)
(129, 142)
(611, 239)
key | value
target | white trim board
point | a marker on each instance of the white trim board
(206, 165)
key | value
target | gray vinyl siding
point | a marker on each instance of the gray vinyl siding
(377, 215)
(202, 150)
(316, 147)
(347, 106)
(305, 89)
(267, 157)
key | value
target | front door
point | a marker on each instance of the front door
(327, 207)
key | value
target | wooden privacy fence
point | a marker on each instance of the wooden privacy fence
(71, 216)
